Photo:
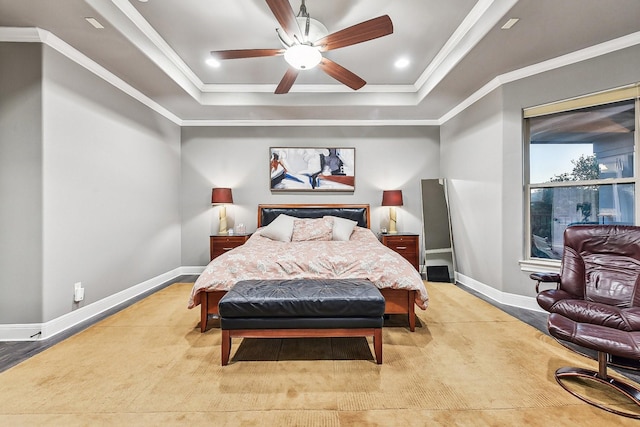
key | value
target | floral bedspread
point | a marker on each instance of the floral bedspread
(362, 257)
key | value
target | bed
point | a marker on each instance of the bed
(359, 256)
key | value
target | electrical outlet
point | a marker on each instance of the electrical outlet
(78, 292)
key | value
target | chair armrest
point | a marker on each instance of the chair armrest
(544, 277)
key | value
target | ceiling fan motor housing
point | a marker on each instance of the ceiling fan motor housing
(316, 31)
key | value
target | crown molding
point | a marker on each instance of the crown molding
(306, 88)
(585, 54)
(126, 18)
(37, 35)
(308, 123)
(20, 34)
(122, 15)
(480, 20)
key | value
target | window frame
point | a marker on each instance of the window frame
(625, 93)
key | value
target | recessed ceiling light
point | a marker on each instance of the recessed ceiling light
(213, 62)
(510, 23)
(402, 63)
(94, 22)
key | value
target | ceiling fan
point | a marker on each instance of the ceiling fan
(304, 39)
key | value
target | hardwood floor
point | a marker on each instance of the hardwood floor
(12, 353)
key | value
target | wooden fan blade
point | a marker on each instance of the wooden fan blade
(362, 32)
(341, 74)
(246, 53)
(285, 15)
(287, 81)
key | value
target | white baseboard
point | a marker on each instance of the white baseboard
(20, 332)
(520, 301)
(40, 331)
(191, 270)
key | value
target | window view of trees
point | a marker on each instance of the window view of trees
(584, 169)
(598, 187)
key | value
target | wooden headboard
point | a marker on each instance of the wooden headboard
(359, 213)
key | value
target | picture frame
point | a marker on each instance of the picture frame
(314, 169)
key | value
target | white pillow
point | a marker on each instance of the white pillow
(342, 228)
(280, 228)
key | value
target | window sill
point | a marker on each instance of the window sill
(536, 265)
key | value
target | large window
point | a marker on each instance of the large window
(581, 170)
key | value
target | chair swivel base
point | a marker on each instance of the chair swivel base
(615, 361)
(621, 387)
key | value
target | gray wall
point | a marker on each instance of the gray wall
(386, 158)
(20, 182)
(97, 188)
(111, 172)
(103, 192)
(472, 160)
(481, 155)
(103, 177)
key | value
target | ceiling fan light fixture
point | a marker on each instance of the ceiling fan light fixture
(302, 56)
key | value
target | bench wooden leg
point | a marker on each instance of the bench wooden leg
(226, 347)
(377, 345)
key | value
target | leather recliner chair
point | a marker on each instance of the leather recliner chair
(596, 302)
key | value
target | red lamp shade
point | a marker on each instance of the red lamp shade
(392, 198)
(220, 196)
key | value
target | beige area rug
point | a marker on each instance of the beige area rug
(467, 364)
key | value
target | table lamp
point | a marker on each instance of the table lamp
(392, 198)
(222, 196)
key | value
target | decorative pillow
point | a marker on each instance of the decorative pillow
(280, 228)
(342, 228)
(312, 229)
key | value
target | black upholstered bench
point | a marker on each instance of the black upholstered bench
(302, 308)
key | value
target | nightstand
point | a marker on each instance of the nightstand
(406, 244)
(221, 243)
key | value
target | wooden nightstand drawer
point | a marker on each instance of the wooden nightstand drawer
(404, 244)
(220, 244)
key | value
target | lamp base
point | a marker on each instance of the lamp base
(223, 221)
(392, 221)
